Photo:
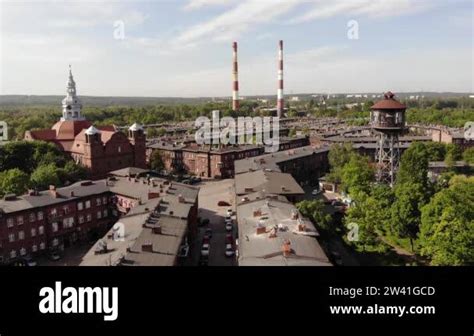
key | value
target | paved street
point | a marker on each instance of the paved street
(210, 194)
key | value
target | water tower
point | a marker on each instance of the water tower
(387, 118)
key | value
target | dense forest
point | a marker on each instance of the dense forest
(454, 112)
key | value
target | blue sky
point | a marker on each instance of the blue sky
(183, 48)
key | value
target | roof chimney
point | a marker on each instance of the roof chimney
(147, 247)
(286, 248)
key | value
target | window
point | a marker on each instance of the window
(68, 222)
(19, 220)
(33, 232)
(88, 204)
(41, 230)
(54, 227)
(89, 217)
(66, 209)
(34, 248)
(21, 235)
(98, 201)
(32, 217)
(81, 219)
(23, 251)
(11, 237)
(54, 212)
(80, 206)
(119, 149)
(9, 222)
(40, 215)
(104, 200)
(99, 215)
(42, 246)
(13, 254)
(104, 213)
(55, 242)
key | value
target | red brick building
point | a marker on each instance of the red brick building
(212, 161)
(101, 149)
(54, 219)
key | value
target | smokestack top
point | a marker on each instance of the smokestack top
(234, 45)
(281, 44)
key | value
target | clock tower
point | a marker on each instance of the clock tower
(71, 104)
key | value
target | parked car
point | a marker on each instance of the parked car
(186, 181)
(195, 179)
(54, 256)
(206, 239)
(229, 238)
(316, 192)
(205, 249)
(208, 232)
(229, 226)
(229, 250)
(230, 212)
(29, 261)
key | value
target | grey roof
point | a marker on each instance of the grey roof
(129, 171)
(44, 198)
(165, 245)
(134, 188)
(442, 164)
(271, 161)
(264, 250)
(267, 181)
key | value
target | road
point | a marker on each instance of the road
(211, 192)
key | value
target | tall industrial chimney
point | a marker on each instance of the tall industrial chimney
(235, 72)
(280, 99)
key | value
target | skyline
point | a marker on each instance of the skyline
(184, 49)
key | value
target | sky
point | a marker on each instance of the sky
(183, 48)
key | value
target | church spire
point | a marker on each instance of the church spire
(71, 104)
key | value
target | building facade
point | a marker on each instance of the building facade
(100, 149)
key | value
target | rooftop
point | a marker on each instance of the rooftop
(268, 182)
(273, 233)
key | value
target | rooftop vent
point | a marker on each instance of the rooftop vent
(147, 247)
(9, 197)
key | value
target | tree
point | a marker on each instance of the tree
(447, 224)
(156, 161)
(44, 176)
(339, 155)
(453, 153)
(73, 172)
(414, 166)
(468, 155)
(357, 174)
(314, 210)
(13, 181)
(406, 210)
(364, 216)
(436, 151)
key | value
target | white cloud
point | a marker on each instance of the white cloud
(237, 20)
(371, 8)
(196, 4)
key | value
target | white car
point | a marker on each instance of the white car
(230, 212)
(229, 226)
(205, 249)
(316, 192)
(229, 250)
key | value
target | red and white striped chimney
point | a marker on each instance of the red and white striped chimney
(235, 88)
(280, 99)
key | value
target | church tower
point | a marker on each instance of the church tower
(71, 104)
